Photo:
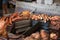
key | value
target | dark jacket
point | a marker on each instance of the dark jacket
(0, 4)
(1, 11)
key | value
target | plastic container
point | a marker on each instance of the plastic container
(49, 2)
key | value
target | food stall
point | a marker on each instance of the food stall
(40, 21)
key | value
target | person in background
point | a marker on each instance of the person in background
(4, 6)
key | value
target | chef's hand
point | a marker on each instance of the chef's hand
(17, 18)
(2, 23)
(25, 14)
(12, 17)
